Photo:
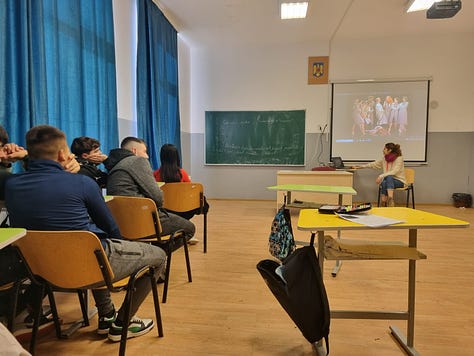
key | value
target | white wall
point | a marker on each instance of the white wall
(125, 17)
(275, 78)
(256, 78)
(184, 60)
(252, 78)
(447, 59)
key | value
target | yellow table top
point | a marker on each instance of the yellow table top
(311, 220)
(9, 235)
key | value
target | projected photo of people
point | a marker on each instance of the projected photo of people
(364, 115)
(372, 117)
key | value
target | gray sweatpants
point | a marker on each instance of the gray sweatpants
(126, 257)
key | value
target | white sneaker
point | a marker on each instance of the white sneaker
(137, 327)
(193, 240)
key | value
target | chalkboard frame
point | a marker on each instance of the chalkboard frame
(255, 138)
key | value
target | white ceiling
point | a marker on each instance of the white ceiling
(256, 22)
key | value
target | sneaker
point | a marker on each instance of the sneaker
(105, 323)
(45, 317)
(24, 330)
(137, 327)
(193, 240)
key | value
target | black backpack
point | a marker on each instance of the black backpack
(298, 286)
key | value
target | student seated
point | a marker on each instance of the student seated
(130, 174)
(393, 172)
(11, 267)
(74, 202)
(89, 156)
(170, 171)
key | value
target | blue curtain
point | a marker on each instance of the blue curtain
(57, 67)
(157, 80)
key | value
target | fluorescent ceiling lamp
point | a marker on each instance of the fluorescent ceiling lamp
(418, 5)
(293, 10)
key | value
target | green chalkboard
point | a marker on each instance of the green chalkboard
(255, 137)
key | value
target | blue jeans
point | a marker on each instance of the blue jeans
(390, 183)
(126, 257)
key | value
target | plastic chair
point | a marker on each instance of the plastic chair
(409, 187)
(138, 219)
(74, 261)
(186, 196)
(12, 288)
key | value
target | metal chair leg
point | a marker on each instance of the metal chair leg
(156, 302)
(186, 255)
(167, 276)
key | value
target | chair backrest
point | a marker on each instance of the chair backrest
(66, 259)
(410, 176)
(136, 217)
(183, 196)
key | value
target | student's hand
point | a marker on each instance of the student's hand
(13, 152)
(378, 180)
(72, 165)
(97, 158)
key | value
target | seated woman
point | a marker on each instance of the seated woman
(170, 171)
(393, 175)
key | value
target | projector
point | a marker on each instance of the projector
(443, 9)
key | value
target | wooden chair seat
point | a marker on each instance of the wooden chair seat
(184, 197)
(138, 219)
(75, 261)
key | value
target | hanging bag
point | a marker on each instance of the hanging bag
(299, 288)
(281, 241)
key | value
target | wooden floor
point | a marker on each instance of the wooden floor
(228, 309)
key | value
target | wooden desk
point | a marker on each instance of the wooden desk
(327, 178)
(9, 235)
(311, 220)
(312, 188)
(339, 190)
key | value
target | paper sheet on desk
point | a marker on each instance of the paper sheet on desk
(369, 219)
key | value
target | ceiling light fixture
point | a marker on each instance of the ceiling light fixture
(293, 9)
(418, 5)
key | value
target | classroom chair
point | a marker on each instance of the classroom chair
(409, 187)
(75, 261)
(138, 219)
(183, 197)
(12, 291)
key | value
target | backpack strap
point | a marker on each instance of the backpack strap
(326, 339)
(5, 222)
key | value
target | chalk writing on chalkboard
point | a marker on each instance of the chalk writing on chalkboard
(255, 137)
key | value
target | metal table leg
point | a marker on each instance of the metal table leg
(408, 342)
